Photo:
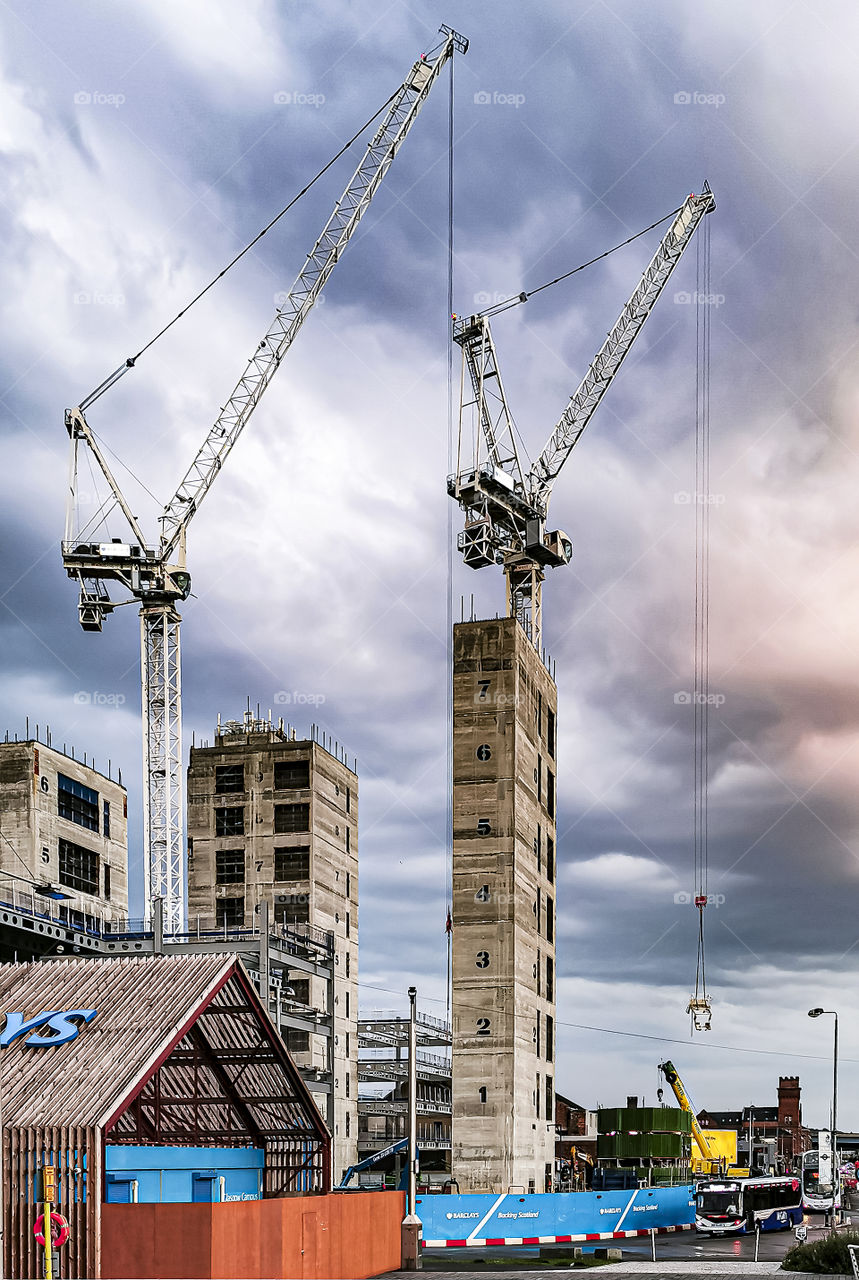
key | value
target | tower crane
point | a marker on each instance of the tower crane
(155, 573)
(505, 507)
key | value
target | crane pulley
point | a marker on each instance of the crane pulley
(506, 509)
(155, 575)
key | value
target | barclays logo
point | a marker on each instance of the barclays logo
(60, 1022)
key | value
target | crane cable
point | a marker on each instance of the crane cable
(132, 360)
(516, 298)
(701, 699)
(449, 509)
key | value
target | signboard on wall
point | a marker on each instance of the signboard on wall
(824, 1149)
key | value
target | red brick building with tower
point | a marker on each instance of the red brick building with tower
(783, 1123)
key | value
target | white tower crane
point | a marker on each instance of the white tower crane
(156, 575)
(505, 508)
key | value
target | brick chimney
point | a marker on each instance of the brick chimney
(789, 1109)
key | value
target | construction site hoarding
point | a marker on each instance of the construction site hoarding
(479, 1220)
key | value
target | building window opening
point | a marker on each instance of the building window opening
(229, 866)
(229, 913)
(301, 987)
(105, 819)
(78, 867)
(291, 775)
(292, 864)
(291, 817)
(229, 777)
(296, 909)
(229, 822)
(77, 803)
(550, 858)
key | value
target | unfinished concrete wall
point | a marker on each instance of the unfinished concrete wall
(504, 800)
(292, 810)
(32, 795)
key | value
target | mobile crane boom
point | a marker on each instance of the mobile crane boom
(700, 1135)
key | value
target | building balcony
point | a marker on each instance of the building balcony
(399, 1107)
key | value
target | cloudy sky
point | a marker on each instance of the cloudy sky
(144, 144)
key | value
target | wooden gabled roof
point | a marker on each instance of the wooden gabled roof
(197, 1015)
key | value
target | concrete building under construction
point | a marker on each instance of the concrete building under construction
(64, 834)
(503, 963)
(274, 820)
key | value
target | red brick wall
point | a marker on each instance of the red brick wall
(334, 1237)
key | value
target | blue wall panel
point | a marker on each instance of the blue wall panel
(180, 1175)
(478, 1218)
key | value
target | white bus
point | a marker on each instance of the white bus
(736, 1206)
(816, 1195)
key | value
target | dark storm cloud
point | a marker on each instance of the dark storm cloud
(320, 564)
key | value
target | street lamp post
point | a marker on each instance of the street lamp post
(411, 1226)
(836, 1167)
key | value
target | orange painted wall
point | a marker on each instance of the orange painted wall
(334, 1237)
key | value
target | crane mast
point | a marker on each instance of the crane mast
(156, 575)
(506, 511)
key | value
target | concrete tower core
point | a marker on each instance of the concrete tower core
(503, 961)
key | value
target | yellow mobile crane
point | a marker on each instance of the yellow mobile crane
(716, 1148)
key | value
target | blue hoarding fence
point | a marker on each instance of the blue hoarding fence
(560, 1218)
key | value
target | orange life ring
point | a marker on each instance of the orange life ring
(59, 1223)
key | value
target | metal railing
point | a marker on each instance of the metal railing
(423, 1019)
(99, 924)
(31, 903)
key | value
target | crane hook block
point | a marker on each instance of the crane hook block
(701, 1012)
(700, 900)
